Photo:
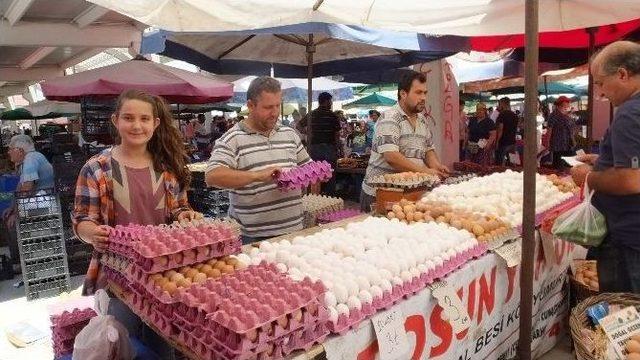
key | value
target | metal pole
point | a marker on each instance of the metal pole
(530, 165)
(311, 48)
(592, 42)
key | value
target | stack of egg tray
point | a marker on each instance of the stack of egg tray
(41, 244)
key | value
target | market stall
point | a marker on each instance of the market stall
(341, 279)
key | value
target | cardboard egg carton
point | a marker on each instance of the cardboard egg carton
(302, 176)
(405, 180)
(400, 291)
(334, 216)
(154, 284)
(252, 306)
(159, 248)
(66, 326)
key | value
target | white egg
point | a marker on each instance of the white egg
(354, 303)
(376, 292)
(341, 293)
(365, 297)
(330, 299)
(386, 285)
(405, 276)
(343, 309)
(281, 267)
(266, 246)
(333, 315)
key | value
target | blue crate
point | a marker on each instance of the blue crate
(9, 183)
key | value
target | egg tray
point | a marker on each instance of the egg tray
(380, 182)
(302, 176)
(154, 259)
(337, 215)
(115, 261)
(215, 299)
(69, 318)
(207, 349)
(67, 333)
(146, 308)
(458, 178)
(225, 222)
(141, 278)
(563, 206)
(63, 348)
(116, 277)
(401, 291)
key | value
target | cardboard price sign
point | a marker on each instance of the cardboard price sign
(453, 309)
(392, 338)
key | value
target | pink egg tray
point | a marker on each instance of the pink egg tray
(302, 176)
(160, 248)
(66, 326)
(252, 306)
(116, 277)
(337, 215)
(154, 312)
(563, 206)
(405, 290)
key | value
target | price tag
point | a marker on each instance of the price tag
(453, 309)
(620, 327)
(548, 246)
(511, 252)
(392, 338)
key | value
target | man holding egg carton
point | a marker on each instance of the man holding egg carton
(248, 157)
(614, 175)
(402, 141)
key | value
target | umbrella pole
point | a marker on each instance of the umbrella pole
(546, 91)
(529, 181)
(311, 48)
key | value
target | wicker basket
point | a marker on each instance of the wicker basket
(579, 320)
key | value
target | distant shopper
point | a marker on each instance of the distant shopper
(507, 128)
(482, 137)
(562, 129)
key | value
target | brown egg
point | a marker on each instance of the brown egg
(199, 266)
(404, 202)
(391, 215)
(183, 283)
(212, 262)
(456, 224)
(191, 273)
(396, 208)
(170, 287)
(231, 261)
(440, 219)
(252, 335)
(482, 238)
(239, 266)
(417, 216)
(177, 277)
(183, 270)
(228, 269)
(409, 217)
(155, 277)
(633, 346)
(400, 216)
(409, 208)
(199, 278)
(593, 284)
(219, 265)
(477, 230)
(161, 281)
(214, 273)
(161, 261)
(169, 274)
(428, 218)
(589, 273)
(205, 268)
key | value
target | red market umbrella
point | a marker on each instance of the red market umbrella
(175, 85)
(570, 39)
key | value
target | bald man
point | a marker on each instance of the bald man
(615, 173)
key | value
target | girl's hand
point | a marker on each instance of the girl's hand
(96, 235)
(189, 215)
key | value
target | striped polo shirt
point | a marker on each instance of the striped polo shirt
(394, 132)
(261, 208)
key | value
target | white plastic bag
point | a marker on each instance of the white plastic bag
(583, 225)
(104, 338)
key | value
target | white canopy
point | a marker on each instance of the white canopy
(45, 107)
(450, 17)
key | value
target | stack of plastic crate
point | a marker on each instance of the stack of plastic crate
(211, 202)
(41, 244)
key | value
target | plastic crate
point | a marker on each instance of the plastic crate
(45, 268)
(38, 229)
(43, 203)
(47, 287)
(42, 248)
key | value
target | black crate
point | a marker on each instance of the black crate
(30, 229)
(41, 248)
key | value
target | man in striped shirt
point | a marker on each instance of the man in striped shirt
(245, 160)
(402, 140)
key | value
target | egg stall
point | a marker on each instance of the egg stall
(441, 268)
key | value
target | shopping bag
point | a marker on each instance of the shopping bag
(104, 338)
(583, 225)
